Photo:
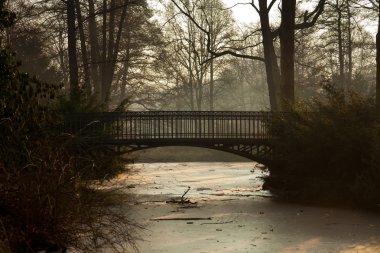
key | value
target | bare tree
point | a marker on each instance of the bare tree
(274, 78)
(192, 67)
(72, 50)
(86, 70)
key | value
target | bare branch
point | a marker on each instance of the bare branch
(213, 53)
(254, 6)
(232, 53)
(243, 48)
(237, 4)
(307, 23)
(271, 5)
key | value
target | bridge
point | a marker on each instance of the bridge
(242, 133)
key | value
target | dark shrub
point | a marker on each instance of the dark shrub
(326, 152)
(47, 201)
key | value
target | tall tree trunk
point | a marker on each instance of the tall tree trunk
(201, 70)
(104, 52)
(113, 47)
(86, 70)
(111, 30)
(62, 61)
(199, 90)
(212, 85)
(109, 56)
(213, 42)
(190, 70)
(271, 65)
(287, 52)
(378, 68)
(191, 88)
(126, 66)
(72, 51)
(349, 47)
(95, 50)
(178, 95)
(340, 47)
(123, 88)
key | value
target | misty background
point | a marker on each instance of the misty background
(147, 55)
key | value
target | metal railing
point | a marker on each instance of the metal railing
(157, 125)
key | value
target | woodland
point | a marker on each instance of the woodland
(193, 55)
(318, 61)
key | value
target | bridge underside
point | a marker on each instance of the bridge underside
(258, 150)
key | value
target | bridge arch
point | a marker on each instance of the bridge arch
(247, 153)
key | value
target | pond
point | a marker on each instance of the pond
(226, 210)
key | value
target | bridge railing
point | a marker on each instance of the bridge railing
(173, 124)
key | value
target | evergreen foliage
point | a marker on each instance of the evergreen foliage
(327, 152)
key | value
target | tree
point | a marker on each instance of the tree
(87, 41)
(191, 69)
(286, 32)
(274, 78)
(337, 20)
(113, 29)
(376, 6)
(318, 58)
(48, 201)
(72, 51)
(83, 45)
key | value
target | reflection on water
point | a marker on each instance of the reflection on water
(207, 181)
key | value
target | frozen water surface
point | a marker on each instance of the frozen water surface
(231, 213)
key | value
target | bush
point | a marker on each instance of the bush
(47, 201)
(47, 205)
(326, 152)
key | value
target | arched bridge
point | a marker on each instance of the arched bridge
(241, 133)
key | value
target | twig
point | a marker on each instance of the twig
(183, 195)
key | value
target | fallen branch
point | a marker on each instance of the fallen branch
(184, 218)
(216, 223)
(187, 201)
(183, 199)
(183, 195)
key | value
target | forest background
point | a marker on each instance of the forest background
(147, 55)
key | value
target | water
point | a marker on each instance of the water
(229, 212)
(207, 181)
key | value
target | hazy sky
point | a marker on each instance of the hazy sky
(242, 13)
(245, 13)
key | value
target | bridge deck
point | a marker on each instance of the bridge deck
(174, 125)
